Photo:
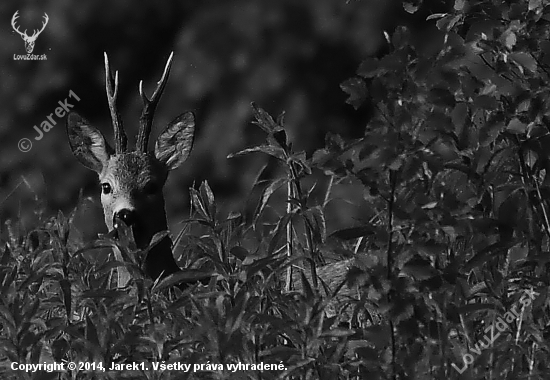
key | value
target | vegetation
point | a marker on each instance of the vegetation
(449, 246)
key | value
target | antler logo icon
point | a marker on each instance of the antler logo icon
(29, 40)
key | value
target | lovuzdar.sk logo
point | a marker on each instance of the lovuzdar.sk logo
(29, 40)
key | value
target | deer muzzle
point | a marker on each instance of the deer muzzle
(129, 217)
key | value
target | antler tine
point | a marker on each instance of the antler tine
(44, 23)
(149, 107)
(120, 135)
(13, 19)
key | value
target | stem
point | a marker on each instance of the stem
(309, 238)
(525, 177)
(531, 361)
(391, 201)
(327, 193)
(543, 209)
(289, 193)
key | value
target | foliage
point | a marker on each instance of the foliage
(451, 240)
(456, 154)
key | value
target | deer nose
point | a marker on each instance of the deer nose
(127, 216)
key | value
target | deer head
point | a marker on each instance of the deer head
(29, 40)
(132, 181)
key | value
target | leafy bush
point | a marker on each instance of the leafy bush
(447, 256)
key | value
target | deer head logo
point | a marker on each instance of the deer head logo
(29, 40)
(132, 181)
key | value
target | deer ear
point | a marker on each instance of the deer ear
(87, 143)
(174, 144)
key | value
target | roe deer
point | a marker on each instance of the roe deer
(132, 181)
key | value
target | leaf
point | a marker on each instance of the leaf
(306, 287)
(459, 5)
(208, 196)
(401, 311)
(492, 251)
(31, 311)
(103, 293)
(516, 126)
(534, 4)
(281, 119)
(530, 157)
(266, 195)
(485, 102)
(478, 118)
(280, 138)
(279, 231)
(60, 347)
(369, 68)
(356, 89)
(524, 60)
(353, 232)
(263, 119)
(411, 6)
(270, 264)
(435, 16)
(236, 313)
(478, 306)
(67, 296)
(458, 116)
(8, 322)
(446, 150)
(184, 276)
(9, 281)
(420, 270)
(299, 160)
(429, 205)
(517, 254)
(401, 37)
(338, 333)
(315, 219)
(125, 271)
(239, 252)
(199, 205)
(489, 134)
(157, 238)
(508, 38)
(445, 24)
(441, 97)
(274, 151)
(91, 332)
(234, 215)
(124, 235)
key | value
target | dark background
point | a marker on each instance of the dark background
(284, 55)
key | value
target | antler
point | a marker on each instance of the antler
(36, 32)
(149, 106)
(15, 17)
(120, 136)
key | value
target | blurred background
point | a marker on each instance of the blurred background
(285, 55)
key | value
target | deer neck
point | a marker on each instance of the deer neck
(159, 260)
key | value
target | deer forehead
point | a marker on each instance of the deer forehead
(133, 170)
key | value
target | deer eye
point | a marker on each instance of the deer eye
(106, 188)
(151, 188)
